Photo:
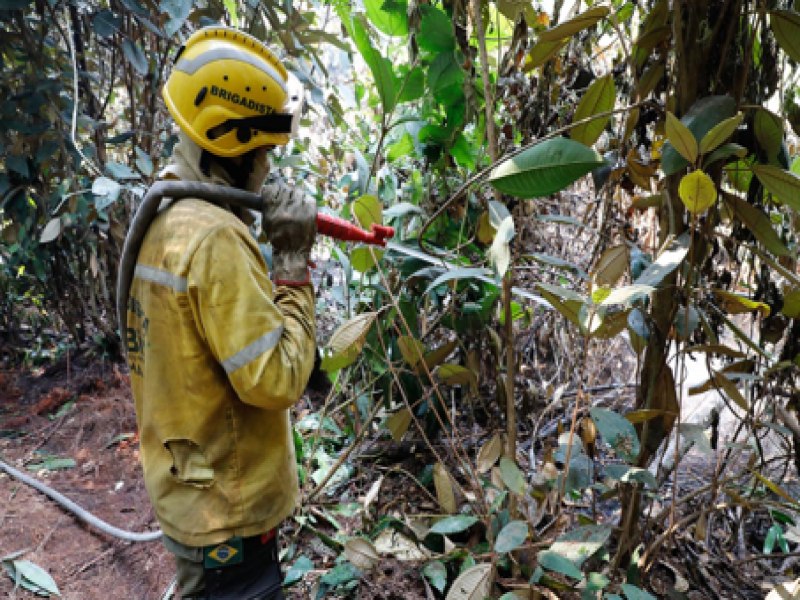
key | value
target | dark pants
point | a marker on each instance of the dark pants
(257, 577)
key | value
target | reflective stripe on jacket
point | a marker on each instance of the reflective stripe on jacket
(217, 357)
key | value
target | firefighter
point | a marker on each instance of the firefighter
(219, 347)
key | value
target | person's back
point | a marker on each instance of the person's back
(218, 352)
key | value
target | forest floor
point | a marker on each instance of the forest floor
(76, 422)
(72, 426)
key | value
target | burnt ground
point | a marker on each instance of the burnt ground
(83, 411)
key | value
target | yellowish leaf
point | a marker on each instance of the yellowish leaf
(398, 423)
(681, 138)
(697, 191)
(489, 453)
(444, 488)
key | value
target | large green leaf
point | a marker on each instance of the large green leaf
(435, 30)
(785, 185)
(786, 27)
(388, 16)
(379, 65)
(446, 79)
(769, 131)
(617, 431)
(703, 116)
(545, 169)
(511, 537)
(757, 222)
(135, 56)
(599, 98)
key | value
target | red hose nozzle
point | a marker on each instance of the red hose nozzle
(346, 231)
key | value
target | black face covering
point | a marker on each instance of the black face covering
(239, 171)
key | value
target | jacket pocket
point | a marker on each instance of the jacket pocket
(189, 464)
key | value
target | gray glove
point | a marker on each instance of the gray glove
(290, 224)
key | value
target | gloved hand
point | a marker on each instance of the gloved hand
(290, 224)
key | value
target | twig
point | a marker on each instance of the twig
(89, 164)
(344, 455)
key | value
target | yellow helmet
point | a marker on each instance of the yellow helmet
(230, 93)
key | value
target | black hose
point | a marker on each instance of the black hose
(81, 513)
(177, 190)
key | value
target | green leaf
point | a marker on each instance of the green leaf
(455, 524)
(599, 97)
(757, 222)
(32, 577)
(791, 303)
(725, 151)
(511, 537)
(339, 575)
(582, 542)
(697, 192)
(451, 374)
(388, 16)
(617, 431)
(379, 65)
(446, 79)
(411, 84)
(106, 23)
(364, 258)
(545, 169)
(403, 147)
(52, 463)
(769, 131)
(18, 164)
(135, 56)
(512, 476)
(720, 133)
(178, 11)
(565, 301)
(435, 30)
(786, 27)
(412, 349)
(120, 171)
(699, 119)
(368, 210)
(575, 25)
(233, 13)
(784, 185)
(681, 138)
(436, 573)
(298, 570)
(347, 341)
(553, 561)
(455, 274)
(542, 52)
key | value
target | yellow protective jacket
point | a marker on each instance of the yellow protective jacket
(217, 357)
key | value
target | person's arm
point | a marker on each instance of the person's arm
(265, 345)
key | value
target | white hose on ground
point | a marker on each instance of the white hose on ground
(81, 513)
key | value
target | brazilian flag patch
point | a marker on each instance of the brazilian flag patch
(230, 552)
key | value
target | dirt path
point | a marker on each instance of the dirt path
(89, 421)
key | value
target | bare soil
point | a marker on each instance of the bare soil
(83, 411)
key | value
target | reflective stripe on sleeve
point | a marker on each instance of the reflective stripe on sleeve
(161, 277)
(252, 351)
